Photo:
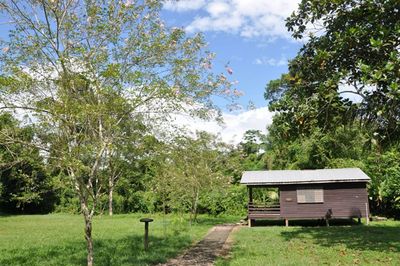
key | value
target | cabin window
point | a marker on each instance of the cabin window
(310, 195)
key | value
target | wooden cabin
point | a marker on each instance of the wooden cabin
(309, 194)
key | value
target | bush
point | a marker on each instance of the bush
(231, 200)
(384, 170)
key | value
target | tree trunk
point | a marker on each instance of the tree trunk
(110, 195)
(89, 240)
(196, 200)
(87, 215)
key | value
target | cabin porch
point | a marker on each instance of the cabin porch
(258, 209)
(306, 194)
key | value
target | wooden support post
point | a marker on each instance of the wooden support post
(367, 213)
(250, 195)
(146, 236)
(250, 221)
(146, 222)
(286, 222)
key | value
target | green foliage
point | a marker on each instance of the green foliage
(26, 185)
(189, 169)
(384, 170)
(346, 163)
(91, 72)
(252, 142)
(319, 150)
(358, 47)
(250, 152)
(265, 196)
(351, 47)
(227, 201)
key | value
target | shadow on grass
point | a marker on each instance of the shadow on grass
(214, 220)
(130, 251)
(125, 251)
(305, 223)
(373, 238)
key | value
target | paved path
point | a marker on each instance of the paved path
(207, 250)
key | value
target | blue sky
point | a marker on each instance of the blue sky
(249, 34)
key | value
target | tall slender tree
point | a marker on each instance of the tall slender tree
(81, 67)
(192, 167)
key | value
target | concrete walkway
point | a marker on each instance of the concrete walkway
(207, 250)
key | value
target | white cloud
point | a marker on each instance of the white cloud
(248, 18)
(349, 91)
(283, 61)
(184, 5)
(235, 125)
(216, 8)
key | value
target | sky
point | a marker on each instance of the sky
(251, 36)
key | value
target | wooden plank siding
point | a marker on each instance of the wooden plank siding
(345, 200)
(256, 211)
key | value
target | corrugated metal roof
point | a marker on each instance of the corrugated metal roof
(277, 177)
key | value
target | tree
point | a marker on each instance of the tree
(253, 147)
(354, 43)
(123, 155)
(351, 46)
(251, 141)
(132, 169)
(82, 68)
(25, 183)
(384, 169)
(191, 168)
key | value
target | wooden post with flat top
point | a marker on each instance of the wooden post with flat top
(146, 222)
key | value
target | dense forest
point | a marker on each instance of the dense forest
(86, 88)
(315, 126)
(188, 174)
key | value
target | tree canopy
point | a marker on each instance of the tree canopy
(350, 48)
(81, 69)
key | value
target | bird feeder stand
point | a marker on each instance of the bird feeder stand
(146, 222)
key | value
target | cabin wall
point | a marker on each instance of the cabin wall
(344, 200)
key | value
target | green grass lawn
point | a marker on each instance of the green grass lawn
(57, 239)
(376, 244)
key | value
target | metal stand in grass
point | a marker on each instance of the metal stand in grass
(146, 222)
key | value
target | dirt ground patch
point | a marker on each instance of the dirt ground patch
(207, 250)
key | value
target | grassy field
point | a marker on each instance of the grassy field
(376, 244)
(57, 239)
